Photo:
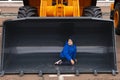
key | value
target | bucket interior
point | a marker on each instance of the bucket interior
(33, 45)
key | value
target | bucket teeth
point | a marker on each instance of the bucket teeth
(113, 72)
(21, 73)
(58, 72)
(77, 73)
(95, 72)
(40, 74)
(2, 73)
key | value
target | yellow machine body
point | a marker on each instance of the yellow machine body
(32, 43)
(115, 15)
(58, 8)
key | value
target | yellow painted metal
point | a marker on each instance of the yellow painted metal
(68, 11)
(60, 8)
(112, 6)
(76, 10)
(49, 3)
(69, 2)
(116, 19)
(43, 7)
(51, 11)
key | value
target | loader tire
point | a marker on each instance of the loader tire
(117, 18)
(92, 11)
(27, 11)
(112, 14)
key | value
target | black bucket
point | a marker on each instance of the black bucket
(33, 45)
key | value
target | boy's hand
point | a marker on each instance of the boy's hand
(72, 62)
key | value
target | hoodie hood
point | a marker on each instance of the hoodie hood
(68, 52)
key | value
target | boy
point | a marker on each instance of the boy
(68, 54)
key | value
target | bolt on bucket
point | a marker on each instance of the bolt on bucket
(33, 45)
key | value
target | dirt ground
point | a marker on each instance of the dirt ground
(62, 77)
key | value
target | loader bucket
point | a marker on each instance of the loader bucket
(32, 45)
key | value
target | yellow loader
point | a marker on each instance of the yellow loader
(32, 43)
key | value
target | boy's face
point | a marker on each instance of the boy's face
(70, 42)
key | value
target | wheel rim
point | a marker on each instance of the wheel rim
(116, 19)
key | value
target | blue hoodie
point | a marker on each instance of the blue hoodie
(68, 52)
